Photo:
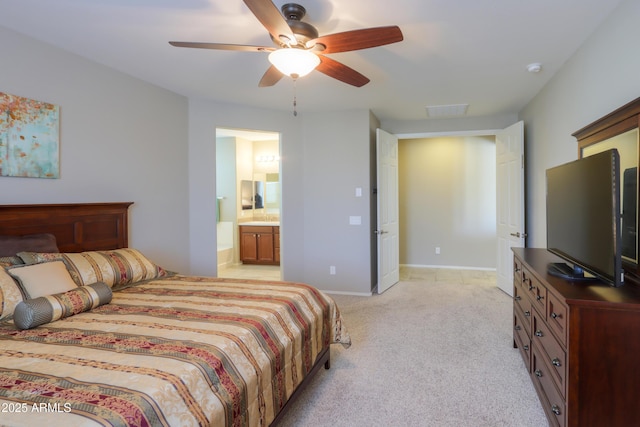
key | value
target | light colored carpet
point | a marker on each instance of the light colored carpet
(434, 350)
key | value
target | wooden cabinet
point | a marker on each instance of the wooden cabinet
(260, 244)
(580, 342)
(276, 244)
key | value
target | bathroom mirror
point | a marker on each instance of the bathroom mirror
(272, 191)
(267, 193)
(258, 194)
(251, 194)
(246, 194)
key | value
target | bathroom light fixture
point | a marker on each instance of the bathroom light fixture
(267, 158)
(294, 62)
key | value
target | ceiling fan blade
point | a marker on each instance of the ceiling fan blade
(270, 77)
(223, 46)
(269, 15)
(357, 39)
(339, 71)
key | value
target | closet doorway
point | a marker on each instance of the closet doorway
(248, 199)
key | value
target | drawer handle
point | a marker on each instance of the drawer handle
(554, 315)
(518, 269)
(531, 287)
(538, 373)
(539, 333)
(539, 297)
(518, 298)
(525, 347)
(556, 362)
(555, 409)
(527, 313)
(518, 327)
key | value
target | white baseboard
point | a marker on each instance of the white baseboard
(356, 294)
(454, 267)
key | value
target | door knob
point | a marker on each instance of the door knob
(380, 232)
(517, 234)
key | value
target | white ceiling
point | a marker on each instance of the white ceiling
(454, 51)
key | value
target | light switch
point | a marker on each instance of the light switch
(358, 192)
(355, 220)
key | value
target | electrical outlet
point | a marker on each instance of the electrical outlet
(332, 269)
(437, 250)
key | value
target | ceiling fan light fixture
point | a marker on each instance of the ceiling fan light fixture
(294, 62)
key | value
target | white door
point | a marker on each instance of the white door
(510, 200)
(387, 227)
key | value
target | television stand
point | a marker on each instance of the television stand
(563, 270)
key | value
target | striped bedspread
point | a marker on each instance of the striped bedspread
(178, 351)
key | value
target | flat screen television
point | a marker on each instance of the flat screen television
(583, 218)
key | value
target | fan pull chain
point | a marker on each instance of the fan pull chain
(295, 100)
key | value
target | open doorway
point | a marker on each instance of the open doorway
(508, 196)
(447, 200)
(248, 202)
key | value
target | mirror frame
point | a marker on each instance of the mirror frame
(624, 119)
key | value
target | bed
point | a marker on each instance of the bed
(98, 334)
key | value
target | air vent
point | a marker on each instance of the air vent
(453, 110)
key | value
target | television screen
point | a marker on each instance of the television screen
(583, 217)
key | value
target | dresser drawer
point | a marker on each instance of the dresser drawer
(517, 271)
(557, 317)
(524, 304)
(552, 352)
(255, 229)
(552, 402)
(536, 291)
(521, 337)
(538, 295)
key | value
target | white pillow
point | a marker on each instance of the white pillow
(44, 279)
(10, 294)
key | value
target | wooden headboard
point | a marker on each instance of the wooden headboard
(78, 227)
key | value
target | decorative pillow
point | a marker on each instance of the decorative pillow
(115, 268)
(10, 294)
(43, 279)
(38, 311)
(8, 261)
(11, 245)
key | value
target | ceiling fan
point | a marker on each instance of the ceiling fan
(296, 40)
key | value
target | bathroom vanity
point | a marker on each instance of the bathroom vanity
(260, 243)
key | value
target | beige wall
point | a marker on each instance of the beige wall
(600, 77)
(121, 139)
(336, 162)
(448, 200)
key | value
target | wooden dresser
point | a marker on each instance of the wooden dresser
(580, 342)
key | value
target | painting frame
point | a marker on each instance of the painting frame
(29, 138)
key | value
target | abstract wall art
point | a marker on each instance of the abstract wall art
(29, 138)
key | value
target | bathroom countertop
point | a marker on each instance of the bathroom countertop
(261, 223)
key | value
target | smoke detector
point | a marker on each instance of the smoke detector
(535, 67)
